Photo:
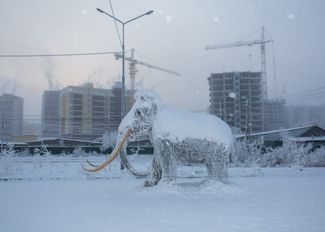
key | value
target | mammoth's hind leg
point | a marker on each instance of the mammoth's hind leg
(211, 165)
(216, 165)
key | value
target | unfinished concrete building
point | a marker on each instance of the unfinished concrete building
(237, 98)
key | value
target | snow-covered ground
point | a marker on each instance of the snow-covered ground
(54, 194)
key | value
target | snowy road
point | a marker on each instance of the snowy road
(256, 200)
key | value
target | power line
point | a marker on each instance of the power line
(307, 95)
(54, 55)
(311, 97)
(304, 92)
(117, 31)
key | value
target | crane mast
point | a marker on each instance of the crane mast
(132, 69)
(263, 66)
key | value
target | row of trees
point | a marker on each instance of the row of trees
(245, 155)
(290, 154)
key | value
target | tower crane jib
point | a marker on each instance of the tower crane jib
(132, 67)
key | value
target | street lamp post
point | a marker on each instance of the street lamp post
(123, 53)
(221, 98)
(247, 120)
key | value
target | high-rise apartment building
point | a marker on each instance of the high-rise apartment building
(11, 116)
(50, 113)
(237, 98)
(84, 111)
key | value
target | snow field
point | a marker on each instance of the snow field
(268, 199)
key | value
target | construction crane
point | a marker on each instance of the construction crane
(133, 70)
(261, 42)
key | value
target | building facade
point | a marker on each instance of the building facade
(298, 115)
(115, 104)
(84, 111)
(274, 114)
(50, 113)
(11, 116)
(237, 98)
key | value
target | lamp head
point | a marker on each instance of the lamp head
(99, 10)
(149, 12)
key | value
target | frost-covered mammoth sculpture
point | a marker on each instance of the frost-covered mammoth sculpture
(178, 137)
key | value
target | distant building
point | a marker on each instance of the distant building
(24, 138)
(11, 116)
(312, 134)
(84, 111)
(274, 117)
(50, 113)
(298, 115)
(237, 98)
(115, 104)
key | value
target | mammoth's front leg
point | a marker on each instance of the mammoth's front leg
(168, 162)
(156, 172)
(163, 165)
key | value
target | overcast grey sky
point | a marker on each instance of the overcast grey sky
(173, 37)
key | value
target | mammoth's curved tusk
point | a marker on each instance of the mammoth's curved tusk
(112, 156)
(91, 165)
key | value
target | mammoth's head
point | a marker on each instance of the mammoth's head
(138, 121)
(142, 114)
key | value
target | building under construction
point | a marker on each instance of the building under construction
(237, 98)
(247, 107)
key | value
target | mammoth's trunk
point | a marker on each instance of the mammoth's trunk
(112, 156)
(129, 166)
(120, 148)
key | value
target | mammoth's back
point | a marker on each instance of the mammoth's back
(177, 125)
